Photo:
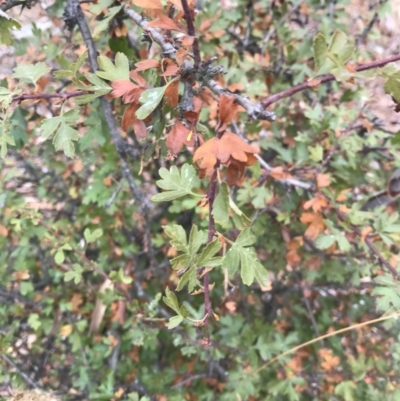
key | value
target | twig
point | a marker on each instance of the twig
(188, 380)
(211, 232)
(20, 372)
(191, 31)
(65, 95)
(275, 27)
(324, 78)
(371, 246)
(10, 4)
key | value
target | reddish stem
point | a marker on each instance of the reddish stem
(192, 32)
(325, 78)
(65, 95)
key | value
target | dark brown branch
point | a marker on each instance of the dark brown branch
(325, 78)
(143, 203)
(65, 95)
(192, 32)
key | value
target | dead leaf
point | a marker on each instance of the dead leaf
(172, 94)
(177, 137)
(147, 64)
(315, 224)
(164, 22)
(150, 4)
(227, 111)
(323, 180)
(100, 308)
(316, 203)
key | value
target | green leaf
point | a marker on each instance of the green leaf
(63, 139)
(150, 99)
(177, 183)
(7, 25)
(338, 42)
(207, 255)
(324, 241)
(171, 301)
(181, 261)
(92, 236)
(113, 72)
(174, 321)
(240, 254)
(34, 321)
(220, 208)
(5, 97)
(30, 73)
(196, 239)
(319, 48)
(392, 87)
(59, 257)
(178, 236)
(245, 238)
(105, 22)
(64, 135)
(5, 138)
(190, 278)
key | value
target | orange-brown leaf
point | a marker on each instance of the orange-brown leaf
(187, 40)
(177, 137)
(172, 94)
(279, 174)
(232, 145)
(316, 203)
(315, 224)
(181, 55)
(140, 129)
(207, 152)
(171, 70)
(138, 79)
(121, 88)
(167, 23)
(235, 173)
(151, 4)
(147, 64)
(323, 180)
(129, 116)
(227, 110)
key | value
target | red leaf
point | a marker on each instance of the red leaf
(147, 64)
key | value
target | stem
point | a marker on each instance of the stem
(192, 32)
(211, 231)
(66, 95)
(325, 78)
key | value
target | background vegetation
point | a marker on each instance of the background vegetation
(130, 268)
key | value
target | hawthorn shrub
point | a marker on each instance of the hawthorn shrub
(198, 201)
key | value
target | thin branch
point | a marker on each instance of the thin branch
(371, 247)
(188, 380)
(191, 31)
(65, 95)
(143, 203)
(325, 78)
(20, 372)
(13, 3)
(212, 189)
